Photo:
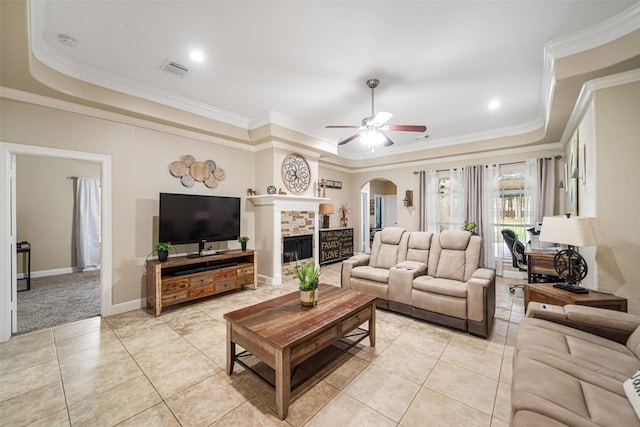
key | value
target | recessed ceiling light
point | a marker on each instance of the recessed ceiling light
(196, 55)
(495, 104)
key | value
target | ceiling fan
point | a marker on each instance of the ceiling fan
(372, 127)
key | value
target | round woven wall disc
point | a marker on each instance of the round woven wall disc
(188, 159)
(220, 174)
(188, 181)
(199, 171)
(211, 182)
(178, 168)
(211, 164)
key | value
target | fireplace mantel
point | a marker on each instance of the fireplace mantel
(276, 199)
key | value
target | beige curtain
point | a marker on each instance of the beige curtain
(546, 188)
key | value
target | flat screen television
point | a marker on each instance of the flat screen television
(190, 218)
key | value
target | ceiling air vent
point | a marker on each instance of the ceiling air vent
(175, 68)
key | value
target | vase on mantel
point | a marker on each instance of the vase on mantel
(309, 298)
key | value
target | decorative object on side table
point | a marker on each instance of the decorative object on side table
(344, 214)
(571, 231)
(325, 209)
(162, 248)
(308, 275)
(243, 242)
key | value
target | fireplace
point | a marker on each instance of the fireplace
(283, 218)
(295, 248)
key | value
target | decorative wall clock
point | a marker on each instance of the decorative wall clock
(296, 173)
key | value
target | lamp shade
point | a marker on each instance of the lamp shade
(326, 208)
(574, 231)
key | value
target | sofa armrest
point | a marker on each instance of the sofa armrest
(610, 324)
(401, 280)
(350, 264)
(479, 307)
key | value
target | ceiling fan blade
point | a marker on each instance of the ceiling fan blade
(408, 128)
(351, 138)
(342, 127)
(387, 142)
(381, 118)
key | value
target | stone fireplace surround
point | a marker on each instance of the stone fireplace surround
(278, 216)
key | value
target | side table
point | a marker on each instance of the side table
(546, 293)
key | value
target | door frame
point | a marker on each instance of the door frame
(8, 291)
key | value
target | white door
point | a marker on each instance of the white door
(12, 238)
(364, 219)
(390, 211)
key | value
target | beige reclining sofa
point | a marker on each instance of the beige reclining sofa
(434, 277)
(570, 364)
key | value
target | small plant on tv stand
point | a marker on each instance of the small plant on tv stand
(162, 248)
(243, 242)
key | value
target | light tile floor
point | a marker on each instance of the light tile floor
(134, 369)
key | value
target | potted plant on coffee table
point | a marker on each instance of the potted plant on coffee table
(308, 275)
(162, 248)
(243, 242)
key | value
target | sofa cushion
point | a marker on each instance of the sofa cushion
(633, 343)
(451, 265)
(391, 235)
(455, 239)
(439, 286)
(441, 304)
(566, 393)
(418, 246)
(584, 349)
(389, 247)
(371, 273)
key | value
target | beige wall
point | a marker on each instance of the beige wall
(140, 158)
(340, 196)
(610, 130)
(45, 201)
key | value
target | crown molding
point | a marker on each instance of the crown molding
(43, 101)
(601, 33)
(441, 160)
(586, 96)
(505, 132)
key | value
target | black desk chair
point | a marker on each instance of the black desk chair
(519, 260)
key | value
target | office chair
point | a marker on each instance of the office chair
(518, 257)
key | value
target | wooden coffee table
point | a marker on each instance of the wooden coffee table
(283, 334)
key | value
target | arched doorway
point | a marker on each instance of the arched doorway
(378, 207)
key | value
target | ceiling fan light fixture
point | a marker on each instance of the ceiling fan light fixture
(372, 137)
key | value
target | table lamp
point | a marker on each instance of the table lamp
(325, 210)
(573, 232)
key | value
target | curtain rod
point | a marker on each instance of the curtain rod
(557, 157)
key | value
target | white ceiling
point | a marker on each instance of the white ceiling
(303, 64)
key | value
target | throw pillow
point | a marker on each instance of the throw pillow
(632, 390)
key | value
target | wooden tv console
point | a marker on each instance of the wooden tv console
(181, 279)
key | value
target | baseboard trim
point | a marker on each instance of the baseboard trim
(47, 273)
(123, 307)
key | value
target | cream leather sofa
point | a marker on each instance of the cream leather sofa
(435, 277)
(569, 366)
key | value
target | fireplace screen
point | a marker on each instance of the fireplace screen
(296, 248)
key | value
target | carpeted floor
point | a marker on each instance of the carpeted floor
(56, 300)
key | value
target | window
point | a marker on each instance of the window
(444, 203)
(513, 209)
